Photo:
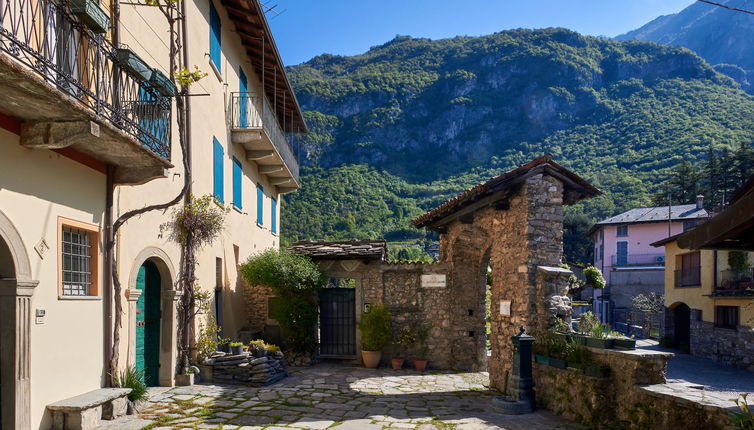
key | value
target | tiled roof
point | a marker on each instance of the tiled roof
(572, 182)
(657, 214)
(363, 249)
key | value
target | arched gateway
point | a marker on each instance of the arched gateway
(514, 224)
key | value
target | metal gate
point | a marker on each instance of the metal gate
(337, 328)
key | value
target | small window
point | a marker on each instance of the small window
(218, 273)
(726, 317)
(237, 179)
(79, 259)
(215, 30)
(274, 215)
(622, 230)
(260, 204)
(218, 153)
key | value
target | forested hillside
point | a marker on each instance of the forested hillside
(409, 123)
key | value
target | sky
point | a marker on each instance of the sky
(307, 28)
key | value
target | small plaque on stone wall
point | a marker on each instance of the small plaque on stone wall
(434, 281)
(505, 308)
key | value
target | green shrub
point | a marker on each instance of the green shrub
(233, 344)
(743, 418)
(297, 316)
(375, 328)
(133, 379)
(594, 277)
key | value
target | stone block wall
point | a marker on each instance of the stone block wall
(729, 347)
(256, 297)
(636, 382)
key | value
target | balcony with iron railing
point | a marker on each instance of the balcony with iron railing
(688, 277)
(255, 126)
(65, 84)
(650, 260)
(734, 283)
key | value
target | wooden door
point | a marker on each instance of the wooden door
(148, 323)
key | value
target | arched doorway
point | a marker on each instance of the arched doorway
(148, 322)
(682, 326)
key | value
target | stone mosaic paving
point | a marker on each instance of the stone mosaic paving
(337, 397)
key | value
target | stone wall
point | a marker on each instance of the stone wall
(256, 297)
(636, 383)
(729, 347)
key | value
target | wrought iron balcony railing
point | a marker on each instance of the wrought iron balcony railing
(638, 260)
(44, 37)
(689, 277)
(249, 111)
(735, 282)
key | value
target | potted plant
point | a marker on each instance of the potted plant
(557, 351)
(162, 83)
(257, 348)
(375, 334)
(422, 333)
(224, 346)
(91, 14)
(404, 340)
(236, 348)
(133, 63)
(539, 350)
(185, 379)
(599, 338)
(577, 355)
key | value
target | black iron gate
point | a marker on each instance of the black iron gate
(337, 316)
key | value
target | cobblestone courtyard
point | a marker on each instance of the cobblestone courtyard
(339, 397)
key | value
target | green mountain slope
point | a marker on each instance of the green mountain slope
(426, 119)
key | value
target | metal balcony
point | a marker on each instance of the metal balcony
(256, 127)
(638, 260)
(734, 283)
(66, 86)
(690, 277)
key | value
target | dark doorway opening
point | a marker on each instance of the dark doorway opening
(682, 327)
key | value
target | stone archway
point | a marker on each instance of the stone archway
(168, 319)
(16, 289)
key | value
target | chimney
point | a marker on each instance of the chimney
(700, 202)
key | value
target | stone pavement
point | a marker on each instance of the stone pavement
(338, 397)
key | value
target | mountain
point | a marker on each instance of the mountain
(721, 36)
(412, 122)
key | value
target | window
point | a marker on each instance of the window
(602, 234)
(274, 215)
(260, 205)
(622, 230)
(215, 45)
(689, 274)
(726, 317)
(621, 258)
(78, 259)
(237, 175)
(217, 155)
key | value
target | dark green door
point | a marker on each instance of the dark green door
(148, 323)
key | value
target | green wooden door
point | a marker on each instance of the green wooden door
(148, 323)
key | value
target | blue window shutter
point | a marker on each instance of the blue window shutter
(260, 205)
(218, 154)
(274, 213)
(237, 175)
(243, 89)
(214, 36)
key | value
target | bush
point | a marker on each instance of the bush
(133, 379)
(375, 328)
(297, 316)
(594, 277)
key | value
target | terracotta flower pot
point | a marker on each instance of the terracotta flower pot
(420, 365)
(397, 363)
(371, 358)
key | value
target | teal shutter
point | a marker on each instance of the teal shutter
(214, 36)
(243, 89)
(237, 175)
(260, 205)
(274, 213)
(218, 154)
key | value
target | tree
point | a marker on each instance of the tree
(682, 187)
(577, 245)
(711, 181)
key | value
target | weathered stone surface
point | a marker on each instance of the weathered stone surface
(89, 400)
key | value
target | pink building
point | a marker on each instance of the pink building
(628, 261)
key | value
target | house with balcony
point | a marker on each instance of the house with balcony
(626, 258)
(709, 285)
(88, 132)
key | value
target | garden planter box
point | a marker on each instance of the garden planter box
(89, 12)
(578, 339)
(596, 371)
(184, 380)
(624, 343)
(558, 363)
(542, 359)
(594, 342)
(162, 83)
(577, 366)
(133, 63)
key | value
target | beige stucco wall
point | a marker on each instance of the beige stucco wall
(37, 187)
(697, 297)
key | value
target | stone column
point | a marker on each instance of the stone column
(168, 337)
(15, 354)
(552, 288)
(132, 296)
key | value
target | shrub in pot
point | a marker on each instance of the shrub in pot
(599, 338)
(236, 348)
(375, 334)
(404, 340)
(556, 350)
(422, 333)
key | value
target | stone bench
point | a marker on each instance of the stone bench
(84, 412)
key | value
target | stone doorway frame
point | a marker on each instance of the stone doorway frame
(168, 319)
(15, 332)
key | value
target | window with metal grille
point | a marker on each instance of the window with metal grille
(77, 258)
(726, 317)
